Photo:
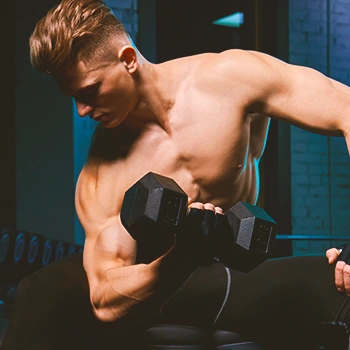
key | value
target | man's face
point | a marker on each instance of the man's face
(105, 91)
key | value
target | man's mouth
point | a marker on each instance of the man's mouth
(100, 118)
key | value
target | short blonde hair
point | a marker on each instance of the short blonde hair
(71, 30)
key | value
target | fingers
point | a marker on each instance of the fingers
(219, 210)
(342, 277)
(206, 206)
(332, 255)
(346, 278)
(339, 281)
(342, 268)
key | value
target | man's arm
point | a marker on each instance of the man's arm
(295, 94)
(303, 97)
(342, 271)
(121, 291)
(128, 293)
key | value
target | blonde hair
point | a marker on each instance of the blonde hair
(74, 29)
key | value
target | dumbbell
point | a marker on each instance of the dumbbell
(7, 244)
(246, 239)
(14, 245)
(64, 248)
(35, 252)
(155, 207)
(13, 249)
(44, 250)
(56, 249)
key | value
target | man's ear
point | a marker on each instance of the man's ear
(128, 57)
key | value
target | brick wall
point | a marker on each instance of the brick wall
(126, 12)
(320, 184)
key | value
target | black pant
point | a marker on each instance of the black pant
(291, 301)
(282, 300)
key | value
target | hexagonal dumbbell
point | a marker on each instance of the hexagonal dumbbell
(248, 238)
(155, 207)
(154, 199)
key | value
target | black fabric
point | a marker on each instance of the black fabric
(199, 301)
(285, 299)
(175, 335)
(280, 302)
(197, 237)
(277, 301)
(345, 253)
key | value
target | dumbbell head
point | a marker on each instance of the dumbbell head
(7, 245)
(251, 240)
(154, 199)
(48, 254)
(253, 228)
(35, 251)
(21, 248)
(61, 249)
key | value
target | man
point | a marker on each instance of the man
(200, 120)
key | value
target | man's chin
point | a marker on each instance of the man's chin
(109, 124)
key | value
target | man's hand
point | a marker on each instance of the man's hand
(342, 268)
(197, 237)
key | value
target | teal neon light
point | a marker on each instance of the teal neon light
(234, 20)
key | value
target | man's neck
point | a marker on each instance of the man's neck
(156, 97)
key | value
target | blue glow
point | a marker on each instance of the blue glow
(234, 20)
(82, 132)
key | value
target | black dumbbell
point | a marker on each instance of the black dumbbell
(44, 250)
(153, 199)
(21, 249)
(246, 237)
(152, 210)
(56, 249)
(7, 246)
(155, 206)
(35, 252)
(64, 248)
(14, 246)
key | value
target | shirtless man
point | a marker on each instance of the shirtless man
(201, 120)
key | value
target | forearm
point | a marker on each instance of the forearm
(136, 292)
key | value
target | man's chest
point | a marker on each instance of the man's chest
(206, 160)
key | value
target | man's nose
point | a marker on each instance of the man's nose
(83, 109)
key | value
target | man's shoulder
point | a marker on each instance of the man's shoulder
(213, 70)
(225, 60)
(220, 71)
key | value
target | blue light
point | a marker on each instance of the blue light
(234, 20)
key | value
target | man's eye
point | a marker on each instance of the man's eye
(89, 95)
(85, 98)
